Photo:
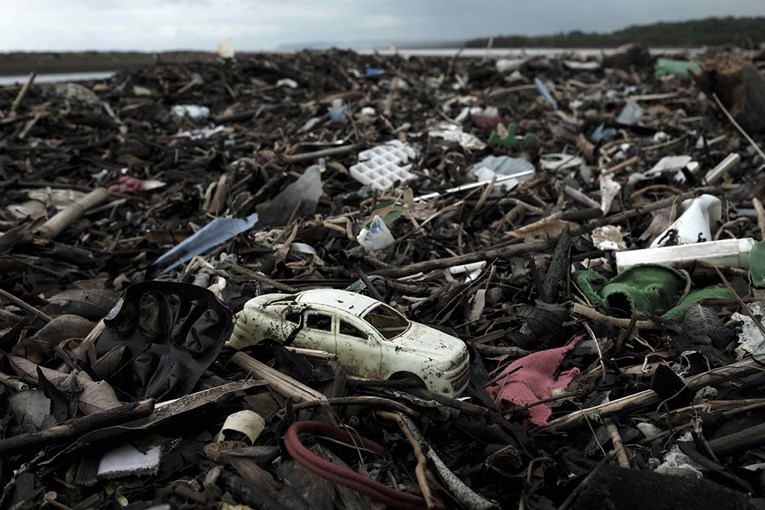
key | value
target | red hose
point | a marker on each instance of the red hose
(343, 476)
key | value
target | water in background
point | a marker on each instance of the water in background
(58, 77)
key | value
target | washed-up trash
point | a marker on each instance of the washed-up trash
(127, 460)
(507, 136)
(542, 88)
(609, 190)
(191, 111)
(248, 423)
(385, 165)
(576, 65)
(608, 237)
(371, 340)
(630, 114)
(556, 161)
(338, 114)
(757, 264)
(530, 379)
(513, 170)
(160, 338)
(454, 133)
(300, 197)
(211, 235)
(718, 172)
(376, 237)
(371, 72)
(127, 184)
(725, 252)
(750, 338)
(602, 134)
(201, 134)
(697, 223)
(508, 65)
(668, 164)
(652, 289)
(672, 67)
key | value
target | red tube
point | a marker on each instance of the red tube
(342, 476)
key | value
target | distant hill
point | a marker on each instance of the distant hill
(742, 32)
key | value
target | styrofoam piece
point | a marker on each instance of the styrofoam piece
(717, 173)
(727, 252)
(191, 111)
(382, 166)
(127, 460)
(695, 224)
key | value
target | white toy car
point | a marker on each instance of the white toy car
(371, 340)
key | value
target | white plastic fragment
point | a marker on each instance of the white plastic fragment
(750, 338)
(127, 460)
(191, 111)
(246, 422)
(608, 191)
(383, 166)
(678, 463)
(517, 169)
(695, 225)
(648, 429)
(726, 252)
(200, 134)
(609, 237)
(454, 133)
(376, 237)
(286, 82)
(718, 172)
(556, 161)
(507, 65)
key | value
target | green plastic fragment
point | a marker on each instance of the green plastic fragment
(757, 264)
(679, 68)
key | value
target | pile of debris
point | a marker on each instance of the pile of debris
(327, 280)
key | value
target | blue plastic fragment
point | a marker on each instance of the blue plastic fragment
(546, 93)
(602, 133)
(373, 71)
(214, 233)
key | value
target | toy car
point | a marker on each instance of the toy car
(371, 340)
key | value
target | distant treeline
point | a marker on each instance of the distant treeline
(742, 32)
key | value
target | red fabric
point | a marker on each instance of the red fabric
(126, 184)
(531, 379)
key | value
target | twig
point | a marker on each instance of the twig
(258, 277)
(76, 427)
(648, 397)
(624, 164)
(26, 306)
(595, 315)
(460, 491)
(422, 462)
(746, 309)
(334, 151)
(738, 127)
(71, 213)
(616, 440)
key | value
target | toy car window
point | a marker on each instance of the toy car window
(293, 317)
(319, 321)
(387, 321)
(349, 329)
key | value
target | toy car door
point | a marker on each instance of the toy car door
(317, 332)
(359, 352)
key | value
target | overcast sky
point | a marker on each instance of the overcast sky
(265, 24)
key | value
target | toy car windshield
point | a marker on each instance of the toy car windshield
(387, 321)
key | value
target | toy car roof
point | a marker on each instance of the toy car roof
(349, 302)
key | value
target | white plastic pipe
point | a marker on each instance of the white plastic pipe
(727, 252)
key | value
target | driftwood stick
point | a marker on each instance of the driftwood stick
(738, 441)
(648, 397)
(26, 306)
(22, 94)
(324, 153)
(71, 213)
(76, 427)
(282, 384)
(429, 265)
(616, 440)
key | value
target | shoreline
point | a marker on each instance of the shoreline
(22, 63)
